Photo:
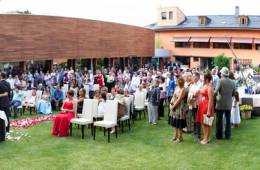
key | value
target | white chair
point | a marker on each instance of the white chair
(39, 94)
(126, 118)
(139, 103)
(86, 87)
(89, 106)
(110, 119)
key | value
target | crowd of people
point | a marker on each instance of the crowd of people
(191, 95)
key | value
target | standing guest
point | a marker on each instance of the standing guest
(177, 114)
(10, 80)
(17, 101)
(100, 78)
(153, 102)
(74, 87)
(135, 82)
(193, 104)
(5, 91)
(162, 96)
(82, 95)
(110, 81)
(205, 106)
(120, 78)
(225, 90)
(44, 105)
(61, 122)
(171, 87)
(215, 78)
(235, 112)
(57, 98)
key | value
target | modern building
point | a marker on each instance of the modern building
(45, 40)
(196, 40)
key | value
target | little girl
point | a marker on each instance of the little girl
(235, 112)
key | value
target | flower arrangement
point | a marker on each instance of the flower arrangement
(246, 111)
(246, 108)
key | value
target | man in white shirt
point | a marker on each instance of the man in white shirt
(193, 103)
(10, 80)
(135, 82)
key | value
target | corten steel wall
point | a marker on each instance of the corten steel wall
(33, 37)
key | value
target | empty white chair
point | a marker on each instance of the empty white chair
(139, 103)
(86, 87)
(126, 118)
(89, 106)
(110, 118)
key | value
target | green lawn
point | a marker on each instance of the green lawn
(144, 147)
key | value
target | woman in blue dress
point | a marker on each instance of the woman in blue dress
(44, 105)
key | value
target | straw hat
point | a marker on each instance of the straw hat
(224, 71)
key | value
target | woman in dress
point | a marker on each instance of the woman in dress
(235, 112)
(177, 114)
(44, 105)
(82, 94)
(74, 87)
(61, 123)
(205, 106)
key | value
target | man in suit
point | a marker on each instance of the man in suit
(5, 91)
(224, 91)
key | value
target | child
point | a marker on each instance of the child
(235, 112)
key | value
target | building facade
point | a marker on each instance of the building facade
(50, 39)
(196, 40)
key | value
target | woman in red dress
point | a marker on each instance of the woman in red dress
(205, 106)
(100, 78)
(61, 123)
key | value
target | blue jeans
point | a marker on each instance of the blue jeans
(15, 104)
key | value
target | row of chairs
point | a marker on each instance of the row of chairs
(29, 100)
(89, 115)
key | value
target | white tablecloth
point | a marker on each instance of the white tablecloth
(255, 97)
(3, 116)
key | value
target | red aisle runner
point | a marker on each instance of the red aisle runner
(27, 122)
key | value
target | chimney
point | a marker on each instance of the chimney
(237, 11)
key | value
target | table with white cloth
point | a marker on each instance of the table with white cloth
(253, 100)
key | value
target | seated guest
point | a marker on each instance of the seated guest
(32, 100)
(101, 104)
(57, 98)
(96, 95)
(82, 94)
(17, 101)
(122, 107)
(44, 105)
(112, 95)
(61, 122)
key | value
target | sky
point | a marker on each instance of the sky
(131, 12)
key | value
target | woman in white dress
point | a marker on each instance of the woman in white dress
(235, 112)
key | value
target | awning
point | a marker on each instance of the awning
(242, 40)
(220, 39)
(162, 53)
(257, 40)
(181, 39)
(199, 39)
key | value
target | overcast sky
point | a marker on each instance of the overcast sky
(133, 12)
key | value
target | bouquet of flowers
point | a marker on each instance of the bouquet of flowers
(246, 111)
(246, 108)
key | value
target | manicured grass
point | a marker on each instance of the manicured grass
(144, 147)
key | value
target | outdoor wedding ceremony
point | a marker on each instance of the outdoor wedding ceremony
(129, 84)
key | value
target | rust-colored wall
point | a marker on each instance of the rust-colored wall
(165, 38)
(33, 37)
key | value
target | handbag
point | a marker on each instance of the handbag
(208, 120)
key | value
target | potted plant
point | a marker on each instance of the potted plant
(246, 111)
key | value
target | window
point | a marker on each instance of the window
(202, 21)
(182, 45)
(164, 15)
(257, 46)
(220, 45)
(196, 59)
(242, 46)
(244, 20)
(201, 44)
(170, 15)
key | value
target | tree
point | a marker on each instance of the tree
(222, 61)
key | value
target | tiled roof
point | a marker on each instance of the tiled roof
(216, 22)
